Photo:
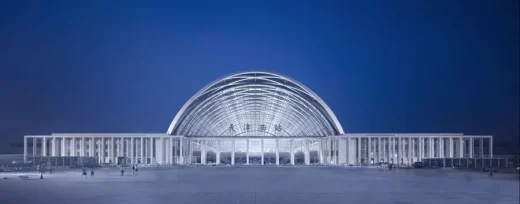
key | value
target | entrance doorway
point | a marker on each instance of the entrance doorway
(269, 158)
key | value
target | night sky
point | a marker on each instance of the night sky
(409, 66)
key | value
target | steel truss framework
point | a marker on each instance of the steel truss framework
(255, 104)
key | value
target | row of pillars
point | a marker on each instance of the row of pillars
(217, 150)
(108, 148)
(331, 150)
(409, 149)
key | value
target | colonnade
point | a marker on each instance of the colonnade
(284, 150)
(107, 148)
(407, 148)
(332, 150)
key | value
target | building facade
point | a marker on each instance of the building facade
(254, 118)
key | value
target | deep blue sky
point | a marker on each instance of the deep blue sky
(410, 66)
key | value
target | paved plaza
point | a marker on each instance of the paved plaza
(284, 185)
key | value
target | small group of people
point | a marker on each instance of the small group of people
(84, 172)
(122, 169)
(134, 170)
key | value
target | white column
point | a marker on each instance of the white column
(102, 148)
(423, 147)
(392, 149)
(141, 152)
(146, 150)
(203, 152)
(333, 149)
(122, 145)
(379, 147)
(82, 148)
(410, 150)
(233, 152)
(443, 153)
(347, 144)
(170, 154)
(342, 149)
(262, 150)
(420, 148)
(84, 145)
(25, 149)
(369, 150)
(80, 144)
(383, 149)
(73, 146)
(181, 154)
(132, 158)
(92, 147)
(128, 149)
(402, 150)
(151, 150)
(398, 142)
(470, 140)
(481, 147)
(117, 147)
(44, 146)
(395, 152)
(490, 147)
(111, 148)
(399, 148)
(450, 149)
(320, 152)
(277, 152)
(167, 149)
(441, 147)
(121, 148)
(62, 149)
(159, 150)
(358, 148)
(53, 146)
(247, 151)
(434, 146)
(428, 147)
(218, 152)
(34, 147)
(402, 141)
(292, 151)
(307, 158)
(461, 147)
(190, 151)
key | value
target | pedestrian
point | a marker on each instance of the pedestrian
(133, 169)
(84, 172)
(490, 172)
(122, 171)
(136, 170)
(92, 173)
(50, 170)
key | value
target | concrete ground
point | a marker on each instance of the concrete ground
(284, 185)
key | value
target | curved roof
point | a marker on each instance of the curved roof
(255, 104)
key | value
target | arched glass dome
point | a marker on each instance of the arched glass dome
(255, 104)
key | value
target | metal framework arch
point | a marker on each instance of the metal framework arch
(260, 103)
